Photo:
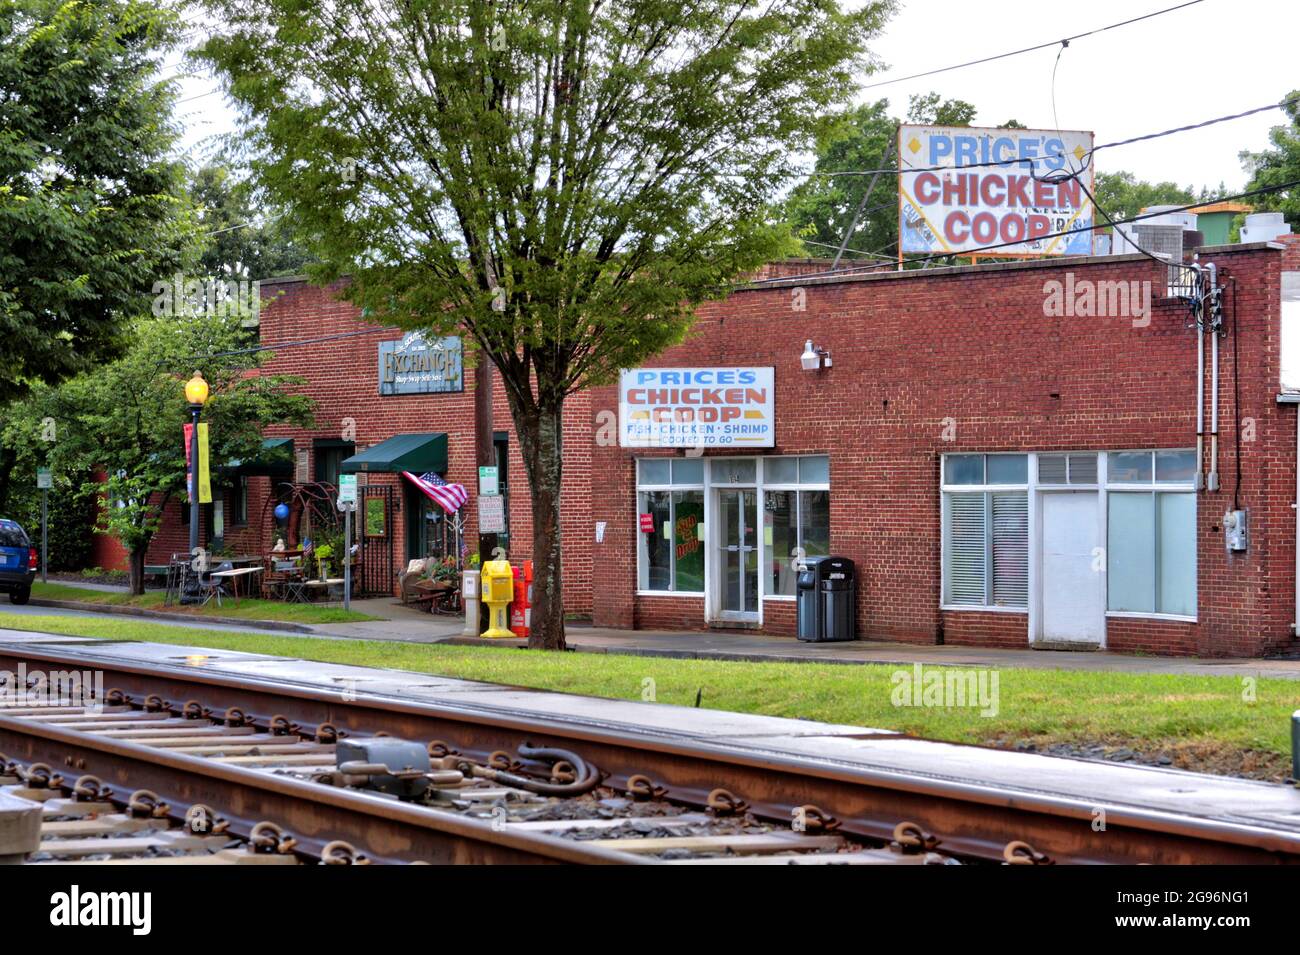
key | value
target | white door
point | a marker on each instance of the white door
(1071, 562)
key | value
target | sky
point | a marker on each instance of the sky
(1211, 59)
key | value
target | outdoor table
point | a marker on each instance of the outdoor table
(234, 575)
(326, 584)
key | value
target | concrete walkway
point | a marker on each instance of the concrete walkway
(407, 625)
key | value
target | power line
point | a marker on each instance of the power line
(1264, 190)
(1030, 49)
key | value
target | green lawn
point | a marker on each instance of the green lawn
(1202, 722)
(249, 608)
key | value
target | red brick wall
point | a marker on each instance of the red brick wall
(342, 376)
(913, 350)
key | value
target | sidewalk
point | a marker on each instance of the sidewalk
(407, 625)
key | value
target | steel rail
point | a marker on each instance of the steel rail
(385, 830)
(971, 819)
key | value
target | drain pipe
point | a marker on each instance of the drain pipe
(1198, 480)
(1212, 297)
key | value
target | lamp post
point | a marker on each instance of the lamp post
(196, 393)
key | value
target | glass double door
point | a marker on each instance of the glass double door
(737, 550)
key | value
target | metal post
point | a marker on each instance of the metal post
(194, 481)
(347, 556)
(871, 186)
(485, 454)
(45, 520)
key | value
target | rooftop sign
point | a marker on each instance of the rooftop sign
(961, 188)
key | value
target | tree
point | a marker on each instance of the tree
(562, 181)
(1122, 195)
(89, 207)
(124, 419)
(1278, 164)
(929, 109)
(822, 207)
(235, 236)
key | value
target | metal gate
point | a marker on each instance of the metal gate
(376, 504)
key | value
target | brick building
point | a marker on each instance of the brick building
(1007, 451)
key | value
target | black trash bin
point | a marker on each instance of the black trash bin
(839, 593)
(808, 608)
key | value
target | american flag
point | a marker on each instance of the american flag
(449, 496)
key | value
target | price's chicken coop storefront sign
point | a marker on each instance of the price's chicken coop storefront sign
(961, 189)
(696, 407)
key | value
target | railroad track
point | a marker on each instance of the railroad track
(245, 771)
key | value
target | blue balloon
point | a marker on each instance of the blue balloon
(281, 511)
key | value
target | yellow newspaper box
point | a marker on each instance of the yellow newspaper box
(498, 590)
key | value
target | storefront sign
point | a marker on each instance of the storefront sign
(963, 188)
(647, 523)
(697, 408)
(492, 515)
(415, 365)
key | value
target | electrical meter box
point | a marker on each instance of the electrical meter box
(1235, 531)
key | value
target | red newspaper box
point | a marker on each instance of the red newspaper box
(521, 614)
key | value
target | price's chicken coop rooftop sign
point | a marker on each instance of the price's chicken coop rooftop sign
(962, 188)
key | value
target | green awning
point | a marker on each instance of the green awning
(416, 453)
(274, 460)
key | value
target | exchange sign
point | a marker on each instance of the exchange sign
(963, 188)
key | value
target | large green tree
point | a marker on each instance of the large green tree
(238, 235)
(124, 419)
(560, 180)
(1123, 195)
(89, 207)
(1278, 164)
(822, 208)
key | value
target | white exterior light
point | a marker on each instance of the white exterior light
(814, 359)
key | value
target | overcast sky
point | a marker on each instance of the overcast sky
(1214, 58)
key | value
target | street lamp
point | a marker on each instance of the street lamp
(196, 393)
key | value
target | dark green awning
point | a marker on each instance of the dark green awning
(416, 453)
(274, 460)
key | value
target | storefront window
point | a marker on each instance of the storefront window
(672, 552)
(1151, 553)
(796, 522)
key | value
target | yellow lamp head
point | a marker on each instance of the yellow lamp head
(196, 390)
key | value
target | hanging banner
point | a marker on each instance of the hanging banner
(205, 477)
(961, 188)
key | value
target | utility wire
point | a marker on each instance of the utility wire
(1265, 190)
(1029, 49)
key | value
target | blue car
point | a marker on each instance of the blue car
(18, 561)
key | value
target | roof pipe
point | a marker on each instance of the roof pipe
(1216, 325)
(1198, 480)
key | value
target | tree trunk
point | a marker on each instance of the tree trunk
(135, 572)
(541, 440)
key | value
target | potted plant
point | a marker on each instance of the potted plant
(323, 553)
(444, 573)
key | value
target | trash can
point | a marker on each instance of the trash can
(839, 593)
(808, 604)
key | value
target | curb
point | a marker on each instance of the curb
(164, 615)
(736, 656)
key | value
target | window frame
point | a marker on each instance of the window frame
(986, 490)
(798, 486)
(1103, 487)
(641, 555)
(1152, 488)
